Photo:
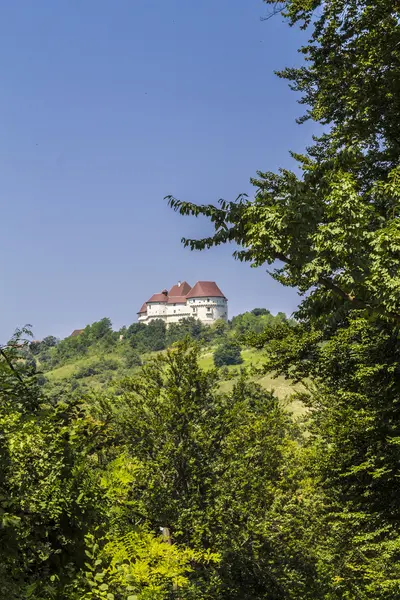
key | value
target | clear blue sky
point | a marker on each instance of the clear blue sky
(105, 108)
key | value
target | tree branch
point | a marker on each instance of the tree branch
(328, 283)
(8, 361)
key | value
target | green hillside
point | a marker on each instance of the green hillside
(99, 357)
(281, 387)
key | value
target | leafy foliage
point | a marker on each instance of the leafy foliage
(331, 231)
(251, 504)
(210, 469)
(350, 78)
(65, 509)
(228, 354)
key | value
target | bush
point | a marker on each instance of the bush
(41, 380)
(225, 371)
(227, 354)
(97, 367)
(87, 371)
(132, 359)
(107, 364)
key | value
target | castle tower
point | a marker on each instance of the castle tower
(207, 303)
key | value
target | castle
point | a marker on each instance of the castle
(204, 301)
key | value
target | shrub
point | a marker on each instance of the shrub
(97, 367)
(225, 371)
(132, 359)
(106, 364)
(87, 371)
(227, 354)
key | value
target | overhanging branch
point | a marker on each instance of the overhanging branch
(356, 302)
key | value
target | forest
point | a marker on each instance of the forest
(158, 466)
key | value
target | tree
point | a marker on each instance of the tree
(45, 487)
(147, 338)
(155, 335)
(333, 242)
(332, 231)
(227, 353)
(260, 311)
(349, 79)
(193, 328)
(49, 342)
(67, 526)
(132, 358)
(209, 467)
(99, 329)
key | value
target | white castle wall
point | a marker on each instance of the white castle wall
(177, 312)
(208, 310)
(156, 309)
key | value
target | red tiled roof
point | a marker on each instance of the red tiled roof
(180, 290)
(204, 289)
(143, 309)
(177, 300)
(158, 298)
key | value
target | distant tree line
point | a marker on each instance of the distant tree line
(138, 339)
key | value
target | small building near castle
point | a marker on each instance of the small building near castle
(204, 301)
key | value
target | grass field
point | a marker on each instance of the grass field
(68, 370)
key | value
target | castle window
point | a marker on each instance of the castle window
(208, 299)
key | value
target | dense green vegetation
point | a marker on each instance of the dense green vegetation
(100, 356)
(228, 353)
(184, 481)
(88, 481)
(333, 225)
